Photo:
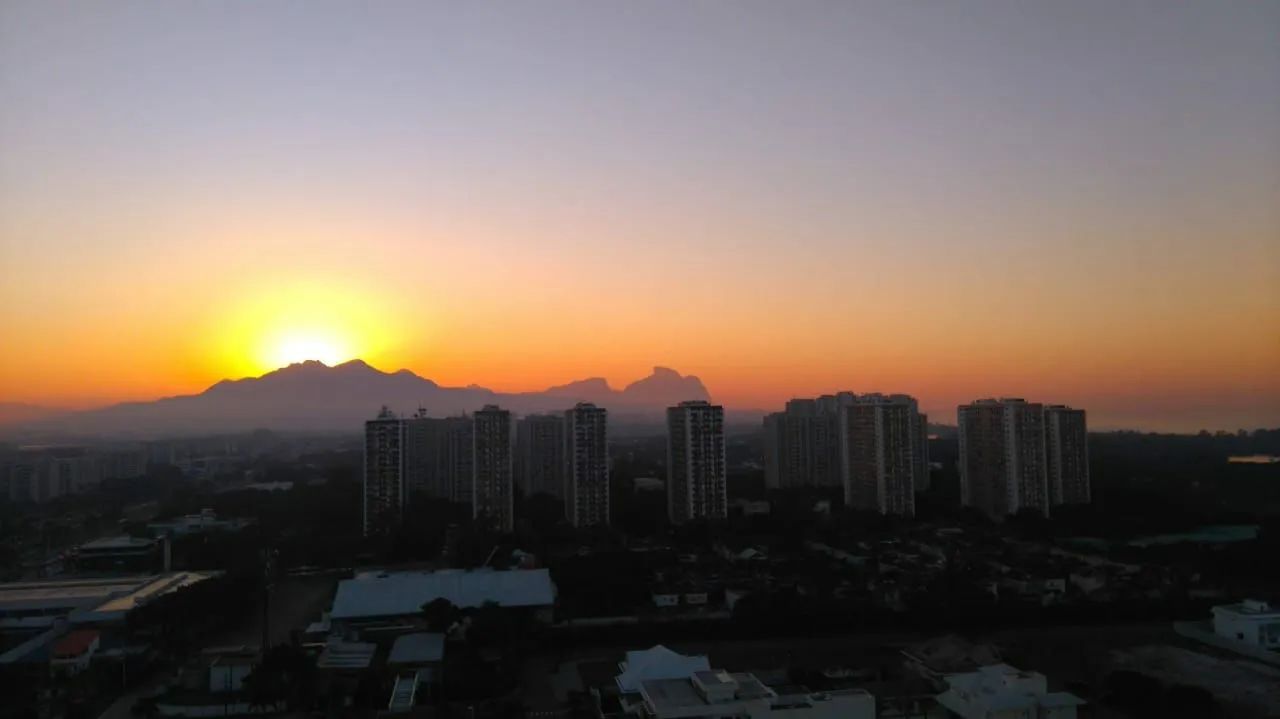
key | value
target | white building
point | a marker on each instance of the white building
(1000, 691)
(714, 694)
(378, 596)
(658, 683)
(695, 462)
(1251, 621)
(656, 663)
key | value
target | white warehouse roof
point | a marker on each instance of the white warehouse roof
(394, 594)
(657, 663)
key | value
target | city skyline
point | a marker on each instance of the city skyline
(663, 359)
(1072, 201)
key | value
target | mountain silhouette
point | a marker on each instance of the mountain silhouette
(311, 396)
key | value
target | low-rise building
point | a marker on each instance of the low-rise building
(206, 521)
(1000, 691)
(39, 605)
(420, 654)
(73, 652)
(656, 662)
(122, 554)
(714, 693)
(229, 667)
(379, 596)
(1254, 622)
(343, 656)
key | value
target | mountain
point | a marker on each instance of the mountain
(311, 396)
(664, 387)
(17, 412)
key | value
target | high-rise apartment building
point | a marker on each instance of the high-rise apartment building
(1003, 467)
(807, 445)
(587, 465)
(802, 443)
(540, 454)
(458, 458)
(384, 478)
(491, 472)
(421, 448)
(696, 486)
(923, 466)
(1067, 455)
(880, 452)
(437, 457)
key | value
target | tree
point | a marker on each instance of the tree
(492, 626)
(440, 614)
(286, 675)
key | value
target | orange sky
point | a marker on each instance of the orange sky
(1073, 204)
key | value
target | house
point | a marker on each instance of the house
(73, 652)
(1000, 691)
(1251, 621)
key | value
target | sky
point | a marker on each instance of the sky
(1070, 202)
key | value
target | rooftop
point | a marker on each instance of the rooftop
(347, 655)
(75, 643)
(1000, 687)
(657, 662)
(668, 694)
(97, 597)
(116, 543)
(1253, 607)
(415, 648)
(390, 594)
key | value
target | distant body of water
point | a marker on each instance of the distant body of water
(1212, 534)
(1254, 459)
(1215, 534)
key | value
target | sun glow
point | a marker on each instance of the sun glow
(272, 328)
(302, 345)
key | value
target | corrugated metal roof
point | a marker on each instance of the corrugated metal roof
(414, 648)
(657, 663)
(392, 594)
(347, 655)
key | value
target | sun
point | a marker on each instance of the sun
(300, 346)
(269, 327)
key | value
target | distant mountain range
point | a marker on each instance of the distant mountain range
(311, 396)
